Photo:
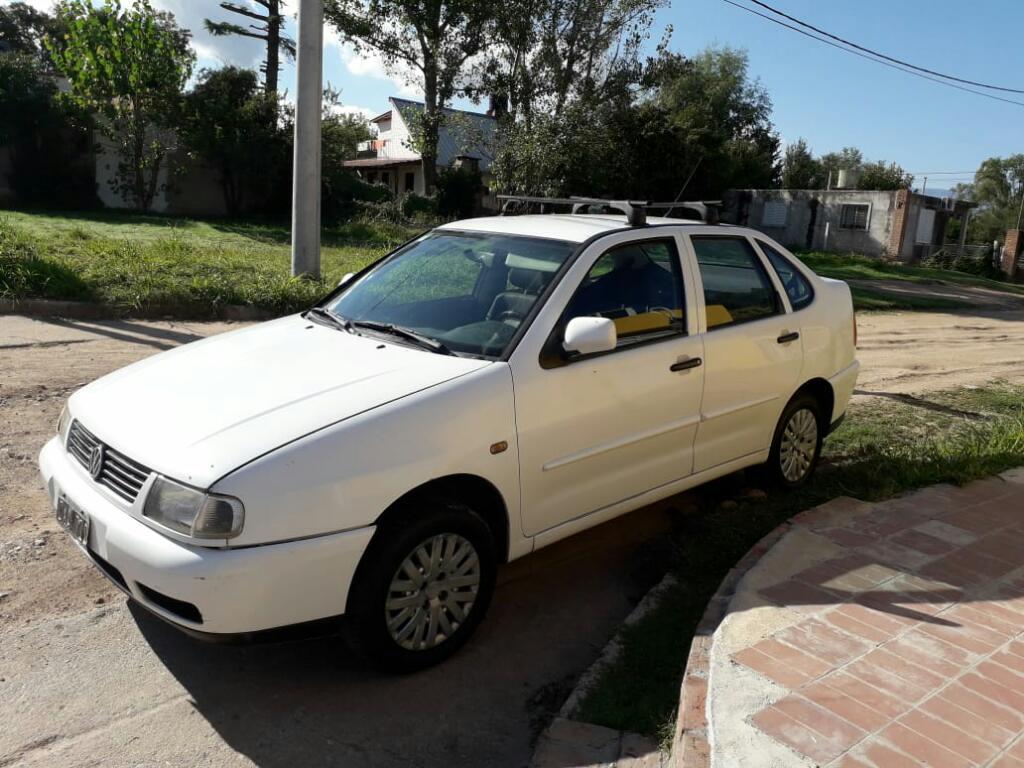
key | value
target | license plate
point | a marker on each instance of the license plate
(73, 520)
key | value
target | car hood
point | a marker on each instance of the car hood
(199, 411)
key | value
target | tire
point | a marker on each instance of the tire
(796, 446)
(403, 619)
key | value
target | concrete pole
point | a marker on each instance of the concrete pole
(308, 106)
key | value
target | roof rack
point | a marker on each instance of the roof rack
(635, 211)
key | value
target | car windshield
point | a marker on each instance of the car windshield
(468, 291)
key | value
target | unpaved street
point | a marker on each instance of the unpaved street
(86, 679)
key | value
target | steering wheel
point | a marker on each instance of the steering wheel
(510, 314)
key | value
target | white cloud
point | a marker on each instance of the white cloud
(372, 64)
(351, 109)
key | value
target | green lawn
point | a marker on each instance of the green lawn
(885, 447)
(853, 267)
(131, 261)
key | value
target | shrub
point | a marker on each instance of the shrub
(457, 192)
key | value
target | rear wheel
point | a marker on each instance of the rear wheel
(796, 446)
(423, 586)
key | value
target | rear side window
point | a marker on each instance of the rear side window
(797, 288)
(736, 286)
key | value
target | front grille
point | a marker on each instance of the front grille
(117, 472)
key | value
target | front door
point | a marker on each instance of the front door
(752, 351)
(600, 429)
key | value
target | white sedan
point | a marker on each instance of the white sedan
(489, 388)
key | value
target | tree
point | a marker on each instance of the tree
(48, 140)
(432, 39)
(269, 29)
(545, 53)
(998, 188)
(721, 119)
(129, 66)
(846, 159)
(24, 28)
(800, 170)
(232, 126)
(694, 127)
(340, 137)
(885, 176)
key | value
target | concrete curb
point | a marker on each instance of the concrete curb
(690, 746)
(611, 651)
(572, 742)
(87, 310)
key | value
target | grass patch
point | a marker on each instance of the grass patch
(854, 267)
(130, 261)
(879, 300)
(885, 447)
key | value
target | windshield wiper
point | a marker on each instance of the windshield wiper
(406, 333)
(330, 317)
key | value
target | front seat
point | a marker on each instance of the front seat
(512, 306)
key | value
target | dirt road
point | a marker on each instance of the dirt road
(86, 679)
(924, 351)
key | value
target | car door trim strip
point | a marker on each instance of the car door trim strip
(622, 442)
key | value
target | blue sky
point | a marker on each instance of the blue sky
(829, 97)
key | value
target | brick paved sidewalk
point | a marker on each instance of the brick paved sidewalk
(880, 636)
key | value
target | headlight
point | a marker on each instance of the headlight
(193, 513)
(63, 423)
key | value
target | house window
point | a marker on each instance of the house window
(410, 181)
(385, 178)
(854, 216)
(775, 213)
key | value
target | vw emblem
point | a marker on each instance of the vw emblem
(96, 462)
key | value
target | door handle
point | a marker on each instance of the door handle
(685, 365)
(788, 337)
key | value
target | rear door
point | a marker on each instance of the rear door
(752, 351)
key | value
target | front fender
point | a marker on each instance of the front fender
(346, 475)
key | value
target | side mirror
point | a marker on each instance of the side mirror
(589, 335)
(345, 278)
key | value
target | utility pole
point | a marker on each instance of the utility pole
(308, 115)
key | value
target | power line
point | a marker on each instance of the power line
(871, 58)
(882, 55)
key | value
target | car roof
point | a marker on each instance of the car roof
(574, 228)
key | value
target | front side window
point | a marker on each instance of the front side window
(736, 287)
(469, 292)
(639, 287)
(797, 287)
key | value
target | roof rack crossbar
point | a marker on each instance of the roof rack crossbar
(635, 211)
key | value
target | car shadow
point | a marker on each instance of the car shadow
(311, 703)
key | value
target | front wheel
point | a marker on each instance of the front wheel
(796, 446)
(423, 586)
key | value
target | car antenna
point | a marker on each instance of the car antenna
(686, 183)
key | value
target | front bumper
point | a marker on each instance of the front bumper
(232, 591)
